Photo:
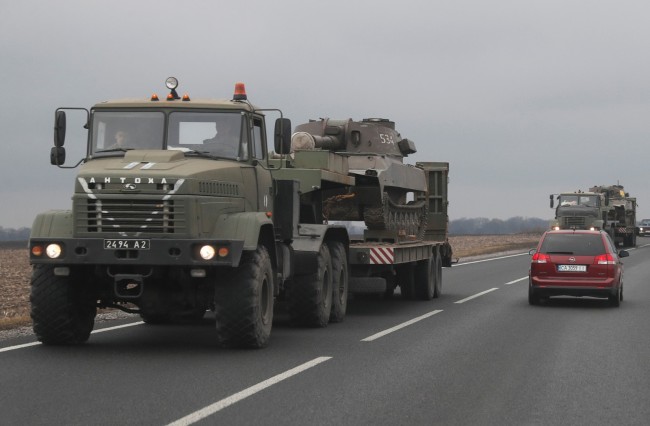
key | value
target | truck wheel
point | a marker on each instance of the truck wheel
(406, 281)
(437, 267)
(340, 280)
(244, 302)
(310, 296)
(424, 279)
(63, 311)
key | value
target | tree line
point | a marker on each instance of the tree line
(485, 226)
(463, 226)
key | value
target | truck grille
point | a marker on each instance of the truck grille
(132, 216)
(574, 221)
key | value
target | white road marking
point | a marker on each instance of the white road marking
(11, 348)
(517, 280)
(477, 295)
(220, 405)
(488, 260)
(402, 325)
(101, 330)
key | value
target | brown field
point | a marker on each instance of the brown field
(15, 270)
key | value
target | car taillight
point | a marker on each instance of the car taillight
(541, 258)
(604, 259)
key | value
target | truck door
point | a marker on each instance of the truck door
(263, 176)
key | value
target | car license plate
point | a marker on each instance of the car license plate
(572, 268)
(126, 244)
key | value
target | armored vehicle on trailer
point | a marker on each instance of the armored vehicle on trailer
(621, 216)
(179, 208)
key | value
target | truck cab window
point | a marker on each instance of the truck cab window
(258, 140)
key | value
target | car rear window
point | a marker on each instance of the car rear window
(579, 244)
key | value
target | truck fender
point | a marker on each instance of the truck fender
(238, 226)
(306, 245)
(53, 224)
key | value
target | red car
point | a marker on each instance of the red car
(576, 263)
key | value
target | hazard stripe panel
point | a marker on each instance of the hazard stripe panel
(382, 256)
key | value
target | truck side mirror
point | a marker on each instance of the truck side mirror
(551, 197)
(282, 135)
(57, 156)
(59, 129)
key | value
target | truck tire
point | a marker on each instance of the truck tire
(406, 281)
(437, 268)
(340, 281)
(310, 296)
(424, 279)
(63, 311)
(244, 302)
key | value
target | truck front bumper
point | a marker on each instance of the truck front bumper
(141, 251)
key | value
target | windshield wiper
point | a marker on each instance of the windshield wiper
(114, 150)
(204, 154)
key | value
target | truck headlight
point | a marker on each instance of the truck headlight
(207, 252)
(53, 251)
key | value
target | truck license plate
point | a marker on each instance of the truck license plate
(572, 268)
(126, 244)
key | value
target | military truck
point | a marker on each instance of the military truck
(179, 208)
(580, 210)
(621, 216)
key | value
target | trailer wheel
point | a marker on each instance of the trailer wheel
(63, 310)
(244, 302)
(437, 271)
(340, 282)
(424, 279)
(310, 296)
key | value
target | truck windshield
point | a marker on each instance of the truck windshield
(216, 133)
(578, 200)
(209, 134)
(122, 130)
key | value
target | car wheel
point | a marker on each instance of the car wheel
(533, 298)
(615, 299)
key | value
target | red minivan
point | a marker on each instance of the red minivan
(576, 263)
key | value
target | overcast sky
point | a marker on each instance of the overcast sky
(523, 98)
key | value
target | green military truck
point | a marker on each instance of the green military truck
(179, 208)
(580, 210)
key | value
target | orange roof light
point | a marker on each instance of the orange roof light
(186, 97)
(154, 97)
(240, 92)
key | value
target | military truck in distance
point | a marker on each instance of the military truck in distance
(621, 215)
(169, 220)
(579, 210)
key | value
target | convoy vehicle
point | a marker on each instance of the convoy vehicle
(179, 207)
(621, 216)
(576, 263)
(644, 228)
(602, 207)
(579, 210)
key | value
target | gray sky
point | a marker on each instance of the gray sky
(523, 98)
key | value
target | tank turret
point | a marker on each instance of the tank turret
(388, 195)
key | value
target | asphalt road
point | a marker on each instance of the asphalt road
(479, 355)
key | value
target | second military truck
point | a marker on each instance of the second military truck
(179, 208)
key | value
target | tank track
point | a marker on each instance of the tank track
(410, 218)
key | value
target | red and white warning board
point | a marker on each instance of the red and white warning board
(382, 256)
